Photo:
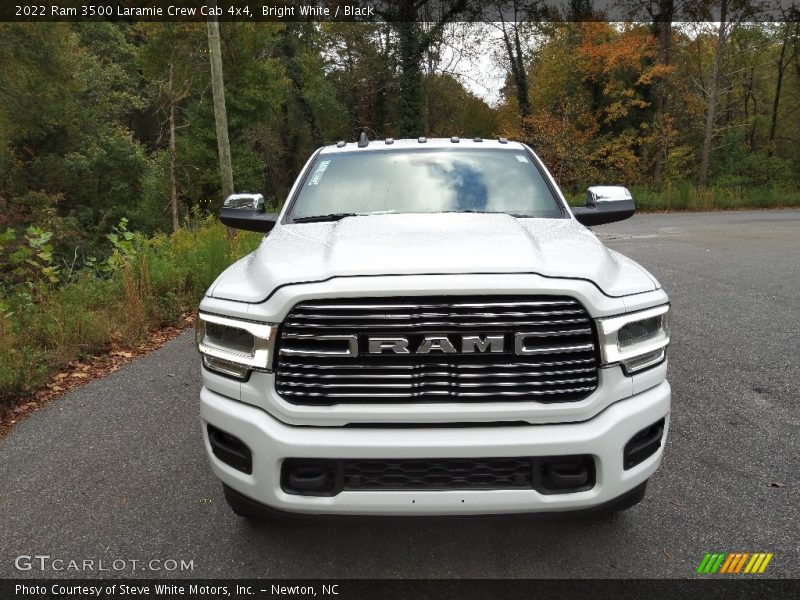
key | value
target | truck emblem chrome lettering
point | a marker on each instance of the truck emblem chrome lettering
(432, 344)
(436, 343)
(474, 343)
(398, 345)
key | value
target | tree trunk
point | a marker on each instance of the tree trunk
(411, 99)
(383, 127)
(517, 64)
(774, 123)
(666, 13)
(220, 113)
(291, 36)
(351, 99)
(713, 94)
(173, 181)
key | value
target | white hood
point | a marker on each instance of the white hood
(429, 244)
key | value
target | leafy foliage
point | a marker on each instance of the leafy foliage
(145, 282)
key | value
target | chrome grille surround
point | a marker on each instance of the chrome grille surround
(322, 356)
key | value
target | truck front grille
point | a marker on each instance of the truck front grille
(323, 350)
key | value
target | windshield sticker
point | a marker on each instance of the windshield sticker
(521, 158)
(318, 172)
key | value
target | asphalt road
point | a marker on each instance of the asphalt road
(116, 469)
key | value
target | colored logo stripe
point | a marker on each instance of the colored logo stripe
(734, 562)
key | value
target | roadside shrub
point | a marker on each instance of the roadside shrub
(48, 320)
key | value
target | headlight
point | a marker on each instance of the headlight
(637, 341)
(233, 347)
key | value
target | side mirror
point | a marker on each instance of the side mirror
(606, 204)
(246, 211)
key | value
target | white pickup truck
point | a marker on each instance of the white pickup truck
(427, 329)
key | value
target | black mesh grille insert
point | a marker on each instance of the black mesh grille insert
(545, 474)
(325, 350)
(445, 474)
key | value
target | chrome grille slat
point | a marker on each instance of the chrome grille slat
(422, 384)
(411, 325)
(359, 306)
(441, 374)
(428, 315)
(525, 365)
(559, 364)
(440, 393)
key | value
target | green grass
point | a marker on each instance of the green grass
(47, 327)
(688, 197)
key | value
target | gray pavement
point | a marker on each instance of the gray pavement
(116, 469)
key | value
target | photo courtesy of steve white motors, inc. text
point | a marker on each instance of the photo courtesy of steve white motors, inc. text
(169, 589)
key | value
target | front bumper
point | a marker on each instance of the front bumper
(272, 441)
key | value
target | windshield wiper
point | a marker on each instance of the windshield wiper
(321, 218)
(340, 216)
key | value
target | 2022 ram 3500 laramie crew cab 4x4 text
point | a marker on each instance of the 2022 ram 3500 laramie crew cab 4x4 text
(429, 329)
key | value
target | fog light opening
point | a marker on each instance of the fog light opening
(230, 450)
(564, 474)
(643, 445)
(311, 477)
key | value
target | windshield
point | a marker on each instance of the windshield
(425, 181)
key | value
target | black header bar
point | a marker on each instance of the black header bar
(395, 10)
(708, 588)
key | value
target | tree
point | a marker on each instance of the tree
(662, 14)
(362, 74)
(68, 157)
(173, 64)
(789, 34)
(712, 91)
(220, 113)
(412, 43)
(512, 31)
